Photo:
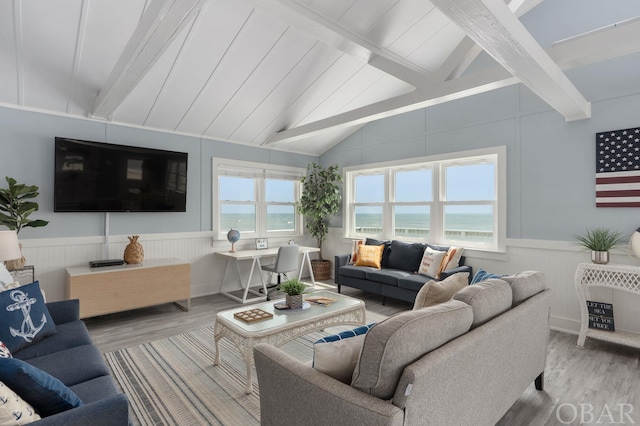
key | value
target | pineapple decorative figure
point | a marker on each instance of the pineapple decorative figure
(133, 253)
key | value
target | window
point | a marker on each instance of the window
(444, 200)
(256, 199)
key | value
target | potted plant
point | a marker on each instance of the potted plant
(600, 241)
(320, 201)
(293, 289)
(16, 205)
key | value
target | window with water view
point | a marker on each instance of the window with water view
(256, 199)
(448, 201)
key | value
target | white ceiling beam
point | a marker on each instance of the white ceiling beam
(459, 60)
(467, 50)
(520, 7)
(161, 23)
(500, 33)
(302, 17)
(478, 82)
(604, 43)
(567, 55)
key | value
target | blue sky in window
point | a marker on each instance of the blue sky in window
(463, 183)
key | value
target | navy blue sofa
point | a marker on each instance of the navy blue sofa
(398, 277)
(70, 356)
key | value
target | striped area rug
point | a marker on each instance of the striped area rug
(173, 381)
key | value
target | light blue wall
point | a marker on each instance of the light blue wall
(550, 163)
(27, 154)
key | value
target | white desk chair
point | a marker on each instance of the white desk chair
(286, 261)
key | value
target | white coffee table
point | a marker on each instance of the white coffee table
(285, 325)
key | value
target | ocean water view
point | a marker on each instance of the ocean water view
(476, 227)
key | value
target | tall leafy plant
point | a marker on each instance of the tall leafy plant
(320, 200)
(16, 206)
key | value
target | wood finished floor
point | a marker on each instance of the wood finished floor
(603, 377)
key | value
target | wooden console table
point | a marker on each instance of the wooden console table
(109, 289)
(617, 277)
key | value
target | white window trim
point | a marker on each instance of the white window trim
(500, 219)
(261, 171)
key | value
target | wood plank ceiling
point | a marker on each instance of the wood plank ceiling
(297, 75)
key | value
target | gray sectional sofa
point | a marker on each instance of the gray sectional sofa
(398, 277)
(462, 362)
(70, 356)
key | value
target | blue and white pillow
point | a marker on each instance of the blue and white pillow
(482, 275)
(13, 409)
(338, 354)
(24, 317)
(4, 351)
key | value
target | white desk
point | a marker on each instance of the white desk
(255, 256)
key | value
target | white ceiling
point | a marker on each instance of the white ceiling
(297, 75)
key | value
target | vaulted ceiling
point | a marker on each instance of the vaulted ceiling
(297, 75)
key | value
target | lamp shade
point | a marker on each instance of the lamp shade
(9, 246)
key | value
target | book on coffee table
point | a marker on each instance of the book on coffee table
(319, 300)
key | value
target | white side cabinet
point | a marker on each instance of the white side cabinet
(618, 277)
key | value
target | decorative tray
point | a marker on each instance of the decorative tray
(253, 315)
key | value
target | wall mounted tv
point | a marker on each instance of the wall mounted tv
(102, 177)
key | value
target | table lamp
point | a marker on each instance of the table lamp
(9, 246)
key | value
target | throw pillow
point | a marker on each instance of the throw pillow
(370, 256)
(4, 351)
(432, 261)
(354, 251)
(13, 409)
(403, 338)
(435, 292)
(385, 252)
(405, 256)
(10, 286)
(337, 355)
(47, 394)
(452, 259)
(482, 275)
(5, 276)
(24, 317)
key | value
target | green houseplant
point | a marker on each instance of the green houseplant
(16, 205)
(320, 201)
(293, 289)
(600, 241)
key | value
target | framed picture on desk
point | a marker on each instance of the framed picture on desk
(262, 243)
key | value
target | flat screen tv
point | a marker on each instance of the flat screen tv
(102, 177)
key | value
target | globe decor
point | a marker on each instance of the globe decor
(233, 236)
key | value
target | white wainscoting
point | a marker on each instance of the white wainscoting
(51, 256)
(558, 260)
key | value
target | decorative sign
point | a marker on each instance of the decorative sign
(261, 243)
(601, 316)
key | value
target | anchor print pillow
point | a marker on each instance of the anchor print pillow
(24, 317)
(13, 409)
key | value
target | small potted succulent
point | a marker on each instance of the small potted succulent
(600, 241)
(293, 289)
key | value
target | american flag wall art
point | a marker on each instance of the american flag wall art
(618, 168)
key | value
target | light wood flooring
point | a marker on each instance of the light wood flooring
(599, 384)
